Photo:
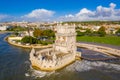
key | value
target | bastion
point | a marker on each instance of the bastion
(63, 52)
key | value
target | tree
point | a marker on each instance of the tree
(38, 32)
(80, 33)
(118, 32)
(48, 33)
(88, 32)
(101, 32)
(29, 39)
(16, 33)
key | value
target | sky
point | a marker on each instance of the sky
(59, 10)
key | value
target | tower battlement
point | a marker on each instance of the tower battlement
(65, 28)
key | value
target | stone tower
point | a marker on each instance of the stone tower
(65, 39)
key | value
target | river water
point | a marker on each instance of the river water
(15, 65)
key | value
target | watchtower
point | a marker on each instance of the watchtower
(65, 38)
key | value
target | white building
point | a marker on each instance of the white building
(96, 28)
(30, 33)
(3, 28)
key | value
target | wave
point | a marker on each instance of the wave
(81, 66)
(36, 73)
(78, 66)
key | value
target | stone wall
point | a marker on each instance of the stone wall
(51, 64)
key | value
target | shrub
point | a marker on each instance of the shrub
(101, 32)
(44, 43)
(29, 39)
(118, 32)
(80, 33)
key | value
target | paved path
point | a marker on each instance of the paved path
(102, 44)
(102, 49)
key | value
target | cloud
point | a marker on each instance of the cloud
(101, 13)
(3, 16)
(112, 5)
(85, 12)
(39, 14)
(6, 18)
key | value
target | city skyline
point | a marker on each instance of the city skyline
(61, 10)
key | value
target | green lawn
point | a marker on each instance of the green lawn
(113, 40)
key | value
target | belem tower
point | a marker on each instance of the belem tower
(63, 52)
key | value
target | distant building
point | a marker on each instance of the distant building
(45, 27)
(111, 30)
(30, 33)
(26, 33)
(96, 28)
(3, 28)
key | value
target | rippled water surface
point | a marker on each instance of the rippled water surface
(15, 65)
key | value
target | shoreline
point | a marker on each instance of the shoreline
(2, 32)
(28, 46)
(50, 45)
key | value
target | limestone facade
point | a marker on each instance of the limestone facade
(62, 53)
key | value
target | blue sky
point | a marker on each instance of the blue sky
(46, 10)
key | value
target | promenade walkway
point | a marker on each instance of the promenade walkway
(29, 46)
(102, 49)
